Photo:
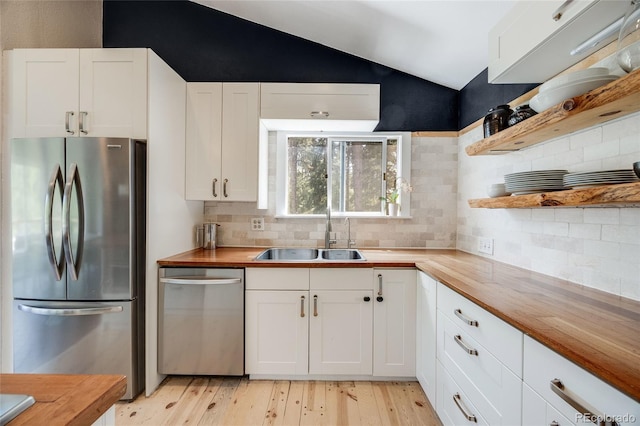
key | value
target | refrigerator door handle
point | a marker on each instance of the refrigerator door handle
(69, 312)
(56, 264)
(73, 262)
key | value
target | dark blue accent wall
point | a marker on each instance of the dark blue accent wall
(203, 44)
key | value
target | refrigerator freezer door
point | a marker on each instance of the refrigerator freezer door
(105, 269)
(37, 169)
(77, 338)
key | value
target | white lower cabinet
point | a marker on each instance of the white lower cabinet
(340, 332)
(480, 357)
(426, 335)
(277, 332)
(565, 386)
(394, 322)
(303, 321)
(452, 404)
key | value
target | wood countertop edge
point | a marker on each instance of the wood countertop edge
(64, 399)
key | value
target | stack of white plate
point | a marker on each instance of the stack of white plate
(535, 181)
(569, 85)
(604, 177)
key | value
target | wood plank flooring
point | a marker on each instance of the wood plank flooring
(233, 401)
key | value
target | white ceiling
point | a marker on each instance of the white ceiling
(443, 41)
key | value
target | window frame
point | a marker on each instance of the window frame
(403, 167)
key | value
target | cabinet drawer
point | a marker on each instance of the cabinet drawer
(490, 386)
(498, 337)
(542, 366)
(536, 411)
(450, 412)
(341, 278)
(277, 279)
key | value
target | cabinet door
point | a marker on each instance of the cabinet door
(394, 322)
(240, 122)
(426, 335)
(277, 332)
(204, 141)
(44, 92)
(113, 93)
(340, 332)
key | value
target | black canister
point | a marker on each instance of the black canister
(496, 119)
(521, 113)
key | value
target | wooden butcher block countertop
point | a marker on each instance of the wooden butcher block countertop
(598, 331)
(64, 399)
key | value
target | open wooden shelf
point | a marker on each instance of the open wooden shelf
(616, 99)
(625, 193)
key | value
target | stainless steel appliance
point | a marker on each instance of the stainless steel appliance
(78, 235)
(201, 324)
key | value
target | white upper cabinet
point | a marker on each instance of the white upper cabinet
(529, 46)
(79, 92)
(320, 106)
(222, 141)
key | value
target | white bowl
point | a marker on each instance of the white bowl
(497, 190)
(574, 76)
(551, 97)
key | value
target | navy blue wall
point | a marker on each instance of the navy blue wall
(202, 44)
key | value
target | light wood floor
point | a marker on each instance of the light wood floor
(237, 401)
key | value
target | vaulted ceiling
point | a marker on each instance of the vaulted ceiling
(443, 41)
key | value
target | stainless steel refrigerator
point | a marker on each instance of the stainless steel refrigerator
(78, 208)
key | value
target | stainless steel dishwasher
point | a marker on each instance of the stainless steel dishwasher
(201, 321)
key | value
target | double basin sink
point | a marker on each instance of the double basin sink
(310, 255)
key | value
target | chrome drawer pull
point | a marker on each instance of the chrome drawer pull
(580, 406)
(465, 318)
(464, 346)
(463, 410)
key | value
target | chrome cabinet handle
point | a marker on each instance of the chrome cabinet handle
(315, 305)
(468, 349)
(580, 406)
(301, 306)
(215, 182)
(554, 423)
(73, 262)
(67, 122)
(458, 400)
(319, 114)
(56, 180)
(224, 188)
(83, 114)
(465, 318)
(379, 298)
(557, 14)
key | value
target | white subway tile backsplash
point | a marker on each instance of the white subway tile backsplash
(596, 247)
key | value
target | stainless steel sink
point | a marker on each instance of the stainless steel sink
(310, 255)
(342, 254)
(288, 254)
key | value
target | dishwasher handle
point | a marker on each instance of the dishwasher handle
(203, 280)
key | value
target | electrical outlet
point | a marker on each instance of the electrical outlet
(257, 224)
(485, 245)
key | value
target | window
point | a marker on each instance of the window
(348, 173)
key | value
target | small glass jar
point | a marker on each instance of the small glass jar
(521, 113)
(496, 120)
